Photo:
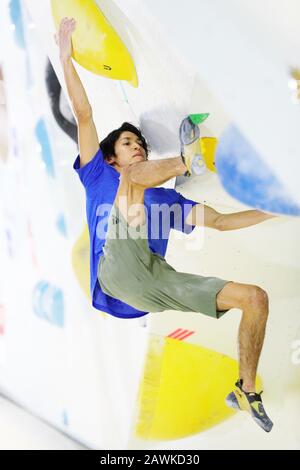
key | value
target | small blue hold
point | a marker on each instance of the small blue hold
(61, 225)
(43, 139)
(48, 303)
(17, 21)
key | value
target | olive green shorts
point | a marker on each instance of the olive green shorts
(130, 272)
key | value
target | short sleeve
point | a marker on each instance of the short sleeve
(178, 217)
(90, 173)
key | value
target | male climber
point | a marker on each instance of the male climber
(129, 275)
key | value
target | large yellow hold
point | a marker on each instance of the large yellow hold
(96, 45)
(183, 390)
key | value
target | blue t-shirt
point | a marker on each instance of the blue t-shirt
(101, 182)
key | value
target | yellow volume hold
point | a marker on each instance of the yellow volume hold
(96, 45)
(208, 146)
(182, 390)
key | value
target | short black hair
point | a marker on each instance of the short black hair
(107, 145)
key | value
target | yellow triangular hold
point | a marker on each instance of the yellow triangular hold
(96, 45)
(208, 146)
(183, 390)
